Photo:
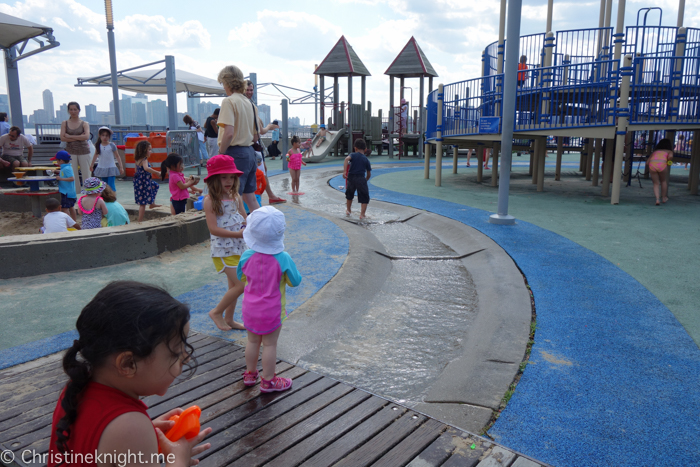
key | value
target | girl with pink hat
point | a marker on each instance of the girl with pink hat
(226, 219)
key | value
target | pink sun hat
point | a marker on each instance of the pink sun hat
(221, 164)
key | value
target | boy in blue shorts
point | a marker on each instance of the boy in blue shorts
(357, 177)
(66, 185)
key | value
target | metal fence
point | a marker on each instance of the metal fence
(50, 133)
(582, 45)
(186, 144)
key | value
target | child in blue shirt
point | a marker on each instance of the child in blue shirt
(356, 179)
(66, 184)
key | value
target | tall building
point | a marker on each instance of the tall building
(48, 105)
(138, 113)
(125, 110)
(264, 112)
(91, 113)
(62, 113)
(39, 116)
(192, 103)
(205, 109)
(157, 113)
(104, 118)
(4, 104)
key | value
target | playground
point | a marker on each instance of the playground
(427, 334)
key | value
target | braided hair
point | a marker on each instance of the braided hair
(125, 316)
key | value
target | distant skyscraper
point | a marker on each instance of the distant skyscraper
(125, 109)
(39, 116)
(91, 113)
(205, 109)
(48, 105)
(192, 103)
(138, 113)
(264, 111)
(157, 113)
(4, 104)
(62, 113)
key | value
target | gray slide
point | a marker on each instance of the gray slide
(316, 154)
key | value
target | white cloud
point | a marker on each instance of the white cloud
(144, 32)
(62, 23)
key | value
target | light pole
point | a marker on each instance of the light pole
(112, 60)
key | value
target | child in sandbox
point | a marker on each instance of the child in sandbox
(356, 179)
(66, 183)
(55, 220)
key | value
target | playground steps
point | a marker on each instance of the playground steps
(320, 421)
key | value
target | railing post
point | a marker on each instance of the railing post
(623, 115)
(565, 73)
(677, 74)
(438, 137)
(546, 77)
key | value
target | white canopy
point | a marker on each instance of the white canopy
(15, 30)
(185, 82)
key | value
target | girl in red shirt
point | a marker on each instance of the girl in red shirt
(132, 343)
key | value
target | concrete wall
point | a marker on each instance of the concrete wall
(31, 255)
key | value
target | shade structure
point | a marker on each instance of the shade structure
(411, 63)
(153, 82)
(342, 61)
(15, 30)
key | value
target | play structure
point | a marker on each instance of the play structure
(318, 152)
(638, 84)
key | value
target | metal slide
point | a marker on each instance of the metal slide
(316, 154)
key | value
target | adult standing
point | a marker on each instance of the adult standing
(75, 133)
(211, 133)
(202, 155)
(4, 124)
(271, 196)
(237, 121)
(13, 145)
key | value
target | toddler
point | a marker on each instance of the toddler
(55, 220)
(91, 204)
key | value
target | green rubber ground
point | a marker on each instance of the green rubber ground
(657, 245)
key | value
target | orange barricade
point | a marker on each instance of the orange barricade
(158, 152)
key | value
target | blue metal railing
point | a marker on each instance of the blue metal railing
(583, 45)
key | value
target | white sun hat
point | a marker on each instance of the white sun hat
(265, 231)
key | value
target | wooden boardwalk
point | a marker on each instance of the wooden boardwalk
(319, 422)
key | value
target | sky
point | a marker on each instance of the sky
(281, 41)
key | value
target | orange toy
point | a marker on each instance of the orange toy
(186, 424)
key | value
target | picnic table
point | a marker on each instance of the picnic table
(33, 181)
(34, 197)
(37, 168)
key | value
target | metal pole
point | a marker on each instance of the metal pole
(511, 70)
(254, 79)
(391, 117)
(170, 85)
(284, 134)
(550, 7)
(681, 12)
(13, 93)
(322, 96)
(621, 128)
(438, 138)
(113, 61)
(421, 119)
(619, 31)
(349, 111)
(316, 96)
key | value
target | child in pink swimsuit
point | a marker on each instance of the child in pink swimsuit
(658, 163)
(294, 157)
(266, 270)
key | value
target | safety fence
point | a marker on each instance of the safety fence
(186, 144)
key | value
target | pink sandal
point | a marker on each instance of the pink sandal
(250, 379)
(275, 384)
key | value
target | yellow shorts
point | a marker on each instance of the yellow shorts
(229, 262)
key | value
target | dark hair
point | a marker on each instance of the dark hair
(3, 116)
(171, 161)
(141, 150)
(523, 58)
(188, 120)
(296, 139)
(664, 144)
(52, 204)
(359, 144)
(15, 128)
(125, 316)
(98, 146)
(216, 111)
(73, 103)
(108, 195)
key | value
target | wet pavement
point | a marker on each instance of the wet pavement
(395, 333)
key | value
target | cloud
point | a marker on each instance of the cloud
(279, 36)
(143, 32)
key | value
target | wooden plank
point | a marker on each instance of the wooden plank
(29, 401)
(412, 445)
(186, 399)
(306, 448)
(384, 441)
(464, 455)
(249, 417)
(282, 432)
(9, 436)
(525, 462)
(498, 457)
(438, 451)
(350, 441)
(199, 380)
(244, 397)
(27, 416)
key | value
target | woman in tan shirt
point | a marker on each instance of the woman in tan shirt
(75, 133)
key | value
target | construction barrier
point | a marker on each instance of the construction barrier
(158, 151)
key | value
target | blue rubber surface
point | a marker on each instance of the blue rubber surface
(613, 378)
(317, 246)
